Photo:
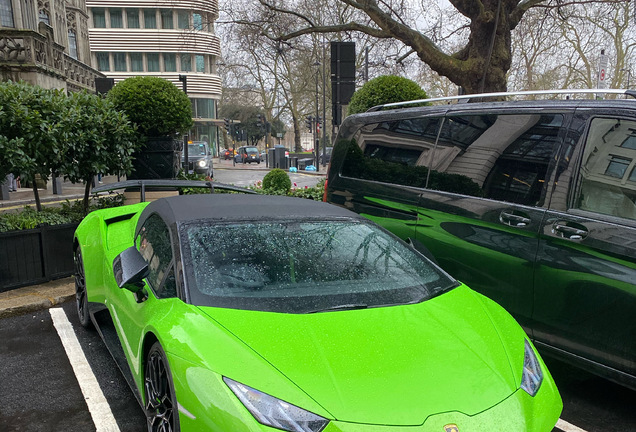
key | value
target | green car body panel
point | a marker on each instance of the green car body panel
(453, 359)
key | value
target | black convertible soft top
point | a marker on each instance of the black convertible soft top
(229, 207)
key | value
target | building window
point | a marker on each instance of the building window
(167, 19)
(103, 62)
(169, 62)
(44, 17)
(153, 62)
(136, 62)
(198, 21)
(186, 63)
(617, 167)
(183, 19)
(6, 13)
(99, 18)
(116, 18)
(630, 142)
(132, 17)
(72, 44)
(150, 18)
(119, 60)
(200, 63)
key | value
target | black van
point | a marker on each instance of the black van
(532, 203)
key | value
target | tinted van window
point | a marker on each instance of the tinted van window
(503, 157)
(607, 179)
(397, 152)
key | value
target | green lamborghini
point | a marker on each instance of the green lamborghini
(237, 312)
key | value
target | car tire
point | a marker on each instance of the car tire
(258, 162)
(81, 298)
(160, 401)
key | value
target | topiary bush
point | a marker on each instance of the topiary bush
(382, 90)
(155, 105)
(277, 180)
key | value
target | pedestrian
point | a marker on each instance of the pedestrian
(12, 182)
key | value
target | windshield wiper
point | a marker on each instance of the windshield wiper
(350, 306)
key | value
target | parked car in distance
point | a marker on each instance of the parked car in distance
(325, 156)
(247, 154)
(234, 312)
(226, 154)
(532, 203)
(199, 158)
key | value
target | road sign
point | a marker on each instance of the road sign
(602, 71)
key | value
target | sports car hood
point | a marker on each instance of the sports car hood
(390, 365)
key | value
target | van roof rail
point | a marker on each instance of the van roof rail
(466, 98)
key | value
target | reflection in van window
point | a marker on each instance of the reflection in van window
(607, 181)
(504, 157)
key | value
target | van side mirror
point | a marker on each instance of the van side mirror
(130, 269)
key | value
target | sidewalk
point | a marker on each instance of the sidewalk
(33, 298)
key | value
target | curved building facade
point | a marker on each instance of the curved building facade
(168, 39)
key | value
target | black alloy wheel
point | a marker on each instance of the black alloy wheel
(81, 300)
(161, 406)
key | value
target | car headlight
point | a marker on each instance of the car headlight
(203, 163)
(274, 412)
(532, 375)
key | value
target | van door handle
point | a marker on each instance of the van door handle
(515, 219)
(569, 230)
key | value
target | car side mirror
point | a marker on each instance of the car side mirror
(130, 269)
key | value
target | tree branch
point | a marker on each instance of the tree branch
(287, 11)
(469, 8)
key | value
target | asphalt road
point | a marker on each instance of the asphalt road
(40, 391)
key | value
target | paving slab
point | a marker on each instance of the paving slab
(36, 297)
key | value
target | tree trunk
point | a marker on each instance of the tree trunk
(485, 62)
(36, 195)
(87, 191)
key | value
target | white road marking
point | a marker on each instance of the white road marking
(97, 404)
(567, 427)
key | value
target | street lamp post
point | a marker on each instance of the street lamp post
(315, 131)
(629, 75)
(186, 138)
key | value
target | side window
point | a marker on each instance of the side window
(154, 246)
(507, 156)
(393, 152)
(503, 157)
(607, 178)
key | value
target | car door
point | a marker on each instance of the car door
(585, 280)
(485, 200)
(129, 315)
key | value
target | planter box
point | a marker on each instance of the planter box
(160, 158)
(30, 257)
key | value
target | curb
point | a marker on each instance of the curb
(36, 297)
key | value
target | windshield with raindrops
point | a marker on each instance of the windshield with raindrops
(304, 266)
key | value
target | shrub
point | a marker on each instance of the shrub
(382, 90)
(155, 105)
(277, 180)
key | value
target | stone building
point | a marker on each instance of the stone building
(45, 42)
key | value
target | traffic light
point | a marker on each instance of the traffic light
(309, 121)
(259, 122)
(318, 124)
(228, 125)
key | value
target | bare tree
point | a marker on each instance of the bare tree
(479, 63)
